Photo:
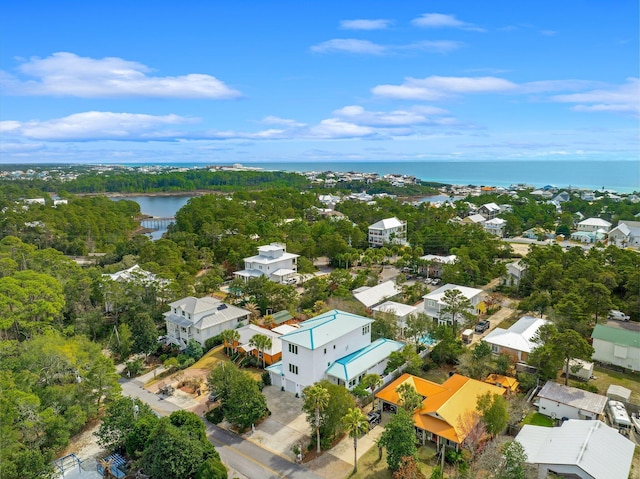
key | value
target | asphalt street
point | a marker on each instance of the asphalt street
(241, 455)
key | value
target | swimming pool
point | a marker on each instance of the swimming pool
(427, 340)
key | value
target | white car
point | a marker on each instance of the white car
(618, 315)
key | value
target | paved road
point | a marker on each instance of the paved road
(243, 456)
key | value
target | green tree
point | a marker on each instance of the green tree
(515, 461)
(123, 341)
(316, 397)
(261, 342)
(119, 420)
(356, 424)
(409, 397)
(340, 400)
(194, 349)
(212, 468)
(230, 338)
(457, 307)
(371, 381)
(145, 333)
(417, 326)
(399, 438)
(494, 413)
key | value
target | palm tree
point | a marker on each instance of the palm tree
(318, 397)
(356, 424)
(261, 343)
(254, 311)
(230, 337)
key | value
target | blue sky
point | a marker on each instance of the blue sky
(245, 81)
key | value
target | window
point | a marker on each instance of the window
(352, 383)
(293, 348)
(366, 329)
(183, 313)
(325, 350)
(293, 368)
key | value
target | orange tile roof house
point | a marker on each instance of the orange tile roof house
(446, 408)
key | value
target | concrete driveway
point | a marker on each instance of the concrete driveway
(285, 428)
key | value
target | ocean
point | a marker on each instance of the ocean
(621, 176)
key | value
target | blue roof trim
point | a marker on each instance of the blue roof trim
(308, 326)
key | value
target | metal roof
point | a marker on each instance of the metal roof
(592, 446)
(616, 335)
(519, 336)
(353, 365)
(574, 397)
(387, 223)
(377, 294)
(397, 309)
(438, 294)
(316, 332)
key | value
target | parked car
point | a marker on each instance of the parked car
(373, 418)
(213, 396)
(618, 315)
(482, 326)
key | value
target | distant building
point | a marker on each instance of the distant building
(388, 231)
(476, 219)
(272, 261)
(434, 264)
(591, 225)
(495, 226)
(627, 233)
(374, 295)
(400, 311)
(515, 273)
(489, 210)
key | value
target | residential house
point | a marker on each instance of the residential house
(434, 263)
(577, 449)
(434, 302)
(588, 237)
(400, 311)
(538, 233)
(517, 341)
(309, 353)
(591, 225)
(271, 355)
(627, 233)
(495, 226)
(201, 319)
(330, 201)
(135, 274)
(561, 197)
(504, 208)
(448, 410)
(618, 344)
(588, 196)
(515, 272)
(558, 401)
(489, 210)
(272, 261)
(506, 382)
(476, 219)
(371, 296)
(388, 231)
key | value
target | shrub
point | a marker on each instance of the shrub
(215, 415)
(135, 367)
(266, 378)
(213, 342)
(162, 358)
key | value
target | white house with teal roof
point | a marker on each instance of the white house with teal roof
(335, 345)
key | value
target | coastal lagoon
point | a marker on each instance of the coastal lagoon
(162, 206)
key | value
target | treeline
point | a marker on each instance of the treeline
(83, 225)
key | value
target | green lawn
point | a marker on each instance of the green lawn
(537, 419)
(606, 377)
(370, 467)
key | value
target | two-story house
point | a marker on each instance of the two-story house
(272, 261)
(201, 319)
(433, 264)
(489, 210)
(334, 345)
(627, 233)
(592, 225)
(515, 272)
(495, 226)
(388, 231)
(434, 302)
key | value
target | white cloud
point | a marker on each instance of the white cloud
(333, 128)
(349, 45)
(437, 87)
(361, 24)
(619, 98)
(441, 20)
(357, 114)
(99, 125)
(67, 74)
(365, 47)
(274, 120)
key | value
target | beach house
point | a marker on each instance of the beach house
(517, 341)
(388, 231)
(433, 264)
(627, 233)
(591, 225)
(618, 344)
(434, 304)
(399, 311)
(272, 261)
(557, 401)
(371, 296)
(489, 210)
